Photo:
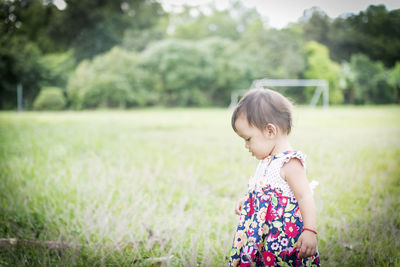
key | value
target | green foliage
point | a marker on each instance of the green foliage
(378, 33)
(50, 98)
(219, 23)
(195, 24)
(170, 72)
(395, 81)
(368, 82)
(109, 80)
(320, 66)
(92, 27)
(57, 68)
(232, 68)
(374, 32)
(19, 64)
(347, 77)
(24, 37)
(274, 53)
(190, 73)
(317, 27)
(180, 72)
(31, 29)
(138, 39)
(222, 51)
(29, 19)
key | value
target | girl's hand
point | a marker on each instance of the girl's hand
(307, 244)
(239, 205)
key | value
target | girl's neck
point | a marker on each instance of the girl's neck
(282, 144)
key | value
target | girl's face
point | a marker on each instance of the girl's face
(259, 142)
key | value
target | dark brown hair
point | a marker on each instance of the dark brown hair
(263, 106)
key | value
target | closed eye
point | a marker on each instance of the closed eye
(248, 139)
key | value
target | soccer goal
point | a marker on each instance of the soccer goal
(322, 88)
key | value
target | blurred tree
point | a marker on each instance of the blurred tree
(219, 23)
(343, 40)
(91, 27)
(320, 66)
(57, 68)
(378, 33)
(50, 98)
(347, 78)
(191, 73)
(29, 29)
(138, 39)
(370, 82)
(232, 68)
(276, 53)
(316, 24)
(23, 37)
(28, 19)
(374, 32)
(19, 64)
(395, 81)
(195, 23)
(180, 72)
(109, 80)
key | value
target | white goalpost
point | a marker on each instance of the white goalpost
(322, 88)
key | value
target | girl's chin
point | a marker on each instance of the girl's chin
(260, 157)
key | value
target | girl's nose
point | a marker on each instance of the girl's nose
(246, 145)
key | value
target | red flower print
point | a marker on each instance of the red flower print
(250, 232)
(271, 237)
(288, 251)
(278, 192)
(298, 214)
(270, 213)
(317, 260)
(283, 201)
(296, 210)
(251, 204)
(265, 198)
(266, 188)
(291, 230)
(268, 258)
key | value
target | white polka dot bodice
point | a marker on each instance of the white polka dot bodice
(268, 172)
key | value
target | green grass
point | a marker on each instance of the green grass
(158, 187)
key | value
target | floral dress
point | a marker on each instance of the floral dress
(270, 222)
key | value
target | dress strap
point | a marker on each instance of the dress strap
(293, 154)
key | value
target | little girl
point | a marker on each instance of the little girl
(277, 225)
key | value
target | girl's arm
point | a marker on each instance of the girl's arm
(294, 173)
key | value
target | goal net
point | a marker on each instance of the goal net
(321, 89)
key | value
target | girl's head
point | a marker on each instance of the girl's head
(261, 117)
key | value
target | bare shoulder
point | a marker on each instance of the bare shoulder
(294, 173)
(291, 169)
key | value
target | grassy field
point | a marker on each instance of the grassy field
(158, 187)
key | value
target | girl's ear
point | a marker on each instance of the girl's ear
(271, 130)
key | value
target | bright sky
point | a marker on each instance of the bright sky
(281, 12)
